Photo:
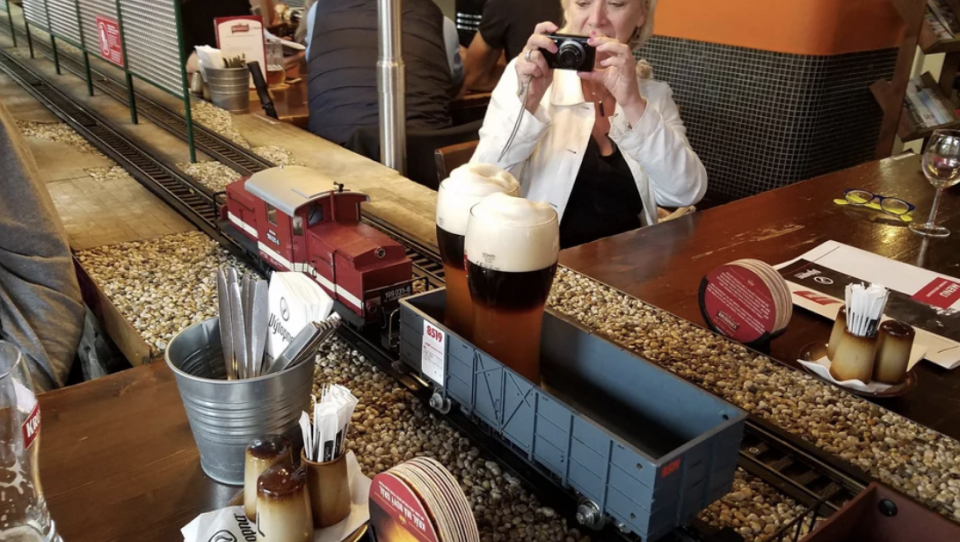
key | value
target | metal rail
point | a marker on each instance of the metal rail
(222, 150)
(795, 468)
(180, 192)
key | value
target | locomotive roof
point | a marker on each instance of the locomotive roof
(289, 188)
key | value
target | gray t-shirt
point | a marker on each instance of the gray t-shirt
(41, 309)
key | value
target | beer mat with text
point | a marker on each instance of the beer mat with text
(419, 500)
(396, 512)
(746, 300)
(928, 309)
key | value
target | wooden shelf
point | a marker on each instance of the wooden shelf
(931, 44)
(906, 129)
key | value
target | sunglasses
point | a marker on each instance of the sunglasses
(892, 206)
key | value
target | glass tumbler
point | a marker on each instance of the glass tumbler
(23, 511)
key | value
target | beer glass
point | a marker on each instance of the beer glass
(466, 186)
(23, 511)
(512, 246)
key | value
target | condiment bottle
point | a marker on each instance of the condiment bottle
(895, 340)
(836, 335)
(262, 454)
(283, 506)
(854, 357)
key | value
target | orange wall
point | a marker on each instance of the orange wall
(803, 27)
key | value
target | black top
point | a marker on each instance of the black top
(196, 17)
(604, 201)
(508, 24)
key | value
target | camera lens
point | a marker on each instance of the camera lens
(570, 55)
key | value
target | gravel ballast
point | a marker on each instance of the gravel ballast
(162, 285)
(916, 460)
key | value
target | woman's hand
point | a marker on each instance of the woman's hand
(532, 67)
(618, 73)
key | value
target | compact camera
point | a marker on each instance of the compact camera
(573, 53)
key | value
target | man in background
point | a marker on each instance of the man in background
(342, 55)
(504, 30)
(41, 309)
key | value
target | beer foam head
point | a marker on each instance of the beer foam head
(466, 186)
(512, 234)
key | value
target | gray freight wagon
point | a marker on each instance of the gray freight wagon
(640, 445)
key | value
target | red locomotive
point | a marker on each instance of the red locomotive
(300, 225)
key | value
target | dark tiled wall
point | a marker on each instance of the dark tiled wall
(761, 120)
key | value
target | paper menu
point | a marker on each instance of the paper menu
(926, 286)
(242, 36)
(294, 301)
(928, 301)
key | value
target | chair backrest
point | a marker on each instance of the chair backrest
(452, 157)
(421, 147)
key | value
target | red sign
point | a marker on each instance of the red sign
(941, 293)
(816, 298)
(670, 468)
(31, 427)
(111, 44)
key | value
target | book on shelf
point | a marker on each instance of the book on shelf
(912, 113)
(932, 106)
(941, 32)
(949, 111)
(942, 11)
(913, 97)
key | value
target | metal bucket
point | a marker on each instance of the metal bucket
(226, 415)
(230, 88)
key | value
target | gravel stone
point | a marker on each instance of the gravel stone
(753, 509)
(58, 132)
(162, 285)
(277, 155)
(113, 173)
(916, 460)
(391, 426)
(217, 119)
(213, 175)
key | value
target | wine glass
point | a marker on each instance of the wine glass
(941, 165)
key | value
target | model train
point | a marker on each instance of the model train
(295, 220)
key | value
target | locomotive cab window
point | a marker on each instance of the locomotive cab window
(297, 225)
(315, 216)
(271, 214)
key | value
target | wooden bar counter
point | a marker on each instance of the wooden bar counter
(118, 461)
(663, 265)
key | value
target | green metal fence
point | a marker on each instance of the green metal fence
(144, 38)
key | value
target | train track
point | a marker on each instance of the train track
(797, 469)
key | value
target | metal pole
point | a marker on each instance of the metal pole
(132, 100)
(56, 55)
(391, 81)
(188, 117)
(131, 92)
(86, 56)
(184, 86)
(13, 29)
(26, 25)
(89, 74)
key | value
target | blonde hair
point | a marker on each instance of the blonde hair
(639, 38)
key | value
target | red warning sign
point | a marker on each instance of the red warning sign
(111, 46)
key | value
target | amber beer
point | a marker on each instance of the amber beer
(512, 247)
(466, 186)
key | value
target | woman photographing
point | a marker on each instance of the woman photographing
(604, 147)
